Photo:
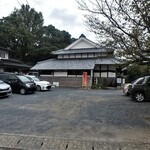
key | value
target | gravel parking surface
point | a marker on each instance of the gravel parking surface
(105, 115)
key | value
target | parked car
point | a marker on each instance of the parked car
(141, 90)
(40, 84)
(125, 87)
(5, 89)
(19, 83)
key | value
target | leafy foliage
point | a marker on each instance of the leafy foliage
(19, 31)
(23, 32)
(135, 71)
(121, 25)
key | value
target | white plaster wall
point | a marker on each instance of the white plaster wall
(66, 56)
(72, 55)
(6, 54)
(60, 56)
(84, 55)
(71, 75)
(111, 74)
(91, 55)
(96, 74)
(60, 74)
(82, 44)
(103, 74)
(78, 55)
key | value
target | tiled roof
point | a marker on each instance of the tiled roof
(72, 64)
(13, 63)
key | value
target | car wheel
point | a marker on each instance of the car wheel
(38, 88)
(139, 97)
(22, 91)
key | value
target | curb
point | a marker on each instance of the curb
(27, 142)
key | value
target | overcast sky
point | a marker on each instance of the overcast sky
(63, 14)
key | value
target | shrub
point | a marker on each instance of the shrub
(135, 71)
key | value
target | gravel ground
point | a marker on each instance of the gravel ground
(105, 115)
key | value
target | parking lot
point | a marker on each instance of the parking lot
(93, 115)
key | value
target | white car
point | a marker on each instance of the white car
(5, 89)
(125, 88)
(40, 84)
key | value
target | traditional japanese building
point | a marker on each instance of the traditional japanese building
(81, 56)
(8, 64)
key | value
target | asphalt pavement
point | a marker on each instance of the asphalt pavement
(68, 118)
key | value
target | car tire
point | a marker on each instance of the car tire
(22, 91)
(139, 97)
(38, 88)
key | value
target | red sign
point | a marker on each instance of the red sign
(84, 79)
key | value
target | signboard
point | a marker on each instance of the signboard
(84, 79)
(119, 80)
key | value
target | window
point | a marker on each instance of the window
(71, 72)
(46, 72)
(2, 54)
(78, 72)
(104, 67)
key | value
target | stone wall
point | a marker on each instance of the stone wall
(77, 81)
(66, 81)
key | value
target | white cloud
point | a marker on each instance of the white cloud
(64, 15)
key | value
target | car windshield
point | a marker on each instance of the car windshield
(36, 79)
(24, 79)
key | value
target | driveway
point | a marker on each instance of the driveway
(76, 114)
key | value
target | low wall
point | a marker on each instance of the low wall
(77, 81)
(66, 81)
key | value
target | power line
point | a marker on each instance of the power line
(27, 2)
(18, 3)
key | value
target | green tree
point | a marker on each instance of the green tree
(52, 39)
(20, 31)
(23, 32)
(135, 71)
(121, 25)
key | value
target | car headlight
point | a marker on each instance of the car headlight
(28, 85)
